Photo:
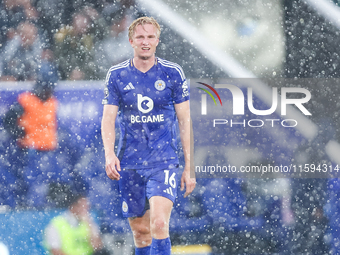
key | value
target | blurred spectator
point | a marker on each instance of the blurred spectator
(12, 12)
(258, 189)
(53, 14)
(23, 54)
(74, 45)
(309, 195)
(107, 54)
(29, 10)
(32, 121)
(10, 16)
(75, 231)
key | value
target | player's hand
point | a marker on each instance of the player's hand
(112, 166)
(188, 182)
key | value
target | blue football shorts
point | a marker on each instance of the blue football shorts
(136, 187)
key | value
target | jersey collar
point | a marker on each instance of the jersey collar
(132, 65)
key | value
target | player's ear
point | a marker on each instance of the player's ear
(131, 42)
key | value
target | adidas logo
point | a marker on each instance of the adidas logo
(129, 86)
(169, 191)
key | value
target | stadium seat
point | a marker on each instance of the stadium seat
(332, 209)
(8, 189)
(103, 193)
(104, 198)
(226, 204)
(44, 168)
(189, 217)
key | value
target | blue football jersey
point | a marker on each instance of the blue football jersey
(146, 116)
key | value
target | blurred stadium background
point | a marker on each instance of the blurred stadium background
(212, 41)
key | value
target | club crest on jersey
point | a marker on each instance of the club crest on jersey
(160, 85)
(125, 207)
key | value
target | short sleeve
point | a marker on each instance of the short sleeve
(111, 93)
(181, 88)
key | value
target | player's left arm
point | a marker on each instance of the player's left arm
(188, 179)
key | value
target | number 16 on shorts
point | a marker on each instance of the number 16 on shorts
(169, 180)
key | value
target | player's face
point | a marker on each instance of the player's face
(144, 41)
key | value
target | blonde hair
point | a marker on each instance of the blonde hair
(142, 21)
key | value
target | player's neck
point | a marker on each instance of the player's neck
(144, 65)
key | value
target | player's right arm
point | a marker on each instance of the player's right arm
(112, 163)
